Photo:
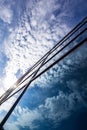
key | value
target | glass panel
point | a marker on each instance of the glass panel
(56, 98)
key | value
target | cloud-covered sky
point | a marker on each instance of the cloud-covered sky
(28, 29)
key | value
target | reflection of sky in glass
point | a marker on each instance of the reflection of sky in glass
(65, 92)
(58, 99)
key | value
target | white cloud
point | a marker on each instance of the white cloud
(13, 126)
(25, 118)
(58, 107)
(27, 43)
(30, 40)
(55, 109)
(6, 13)
(79, 89)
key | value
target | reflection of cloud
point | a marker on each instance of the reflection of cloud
(79, 88)
(56, 109)
(25, 118)
(33, 37)
(70, 65)
(39, 29)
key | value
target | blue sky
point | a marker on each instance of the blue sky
(28, 29)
